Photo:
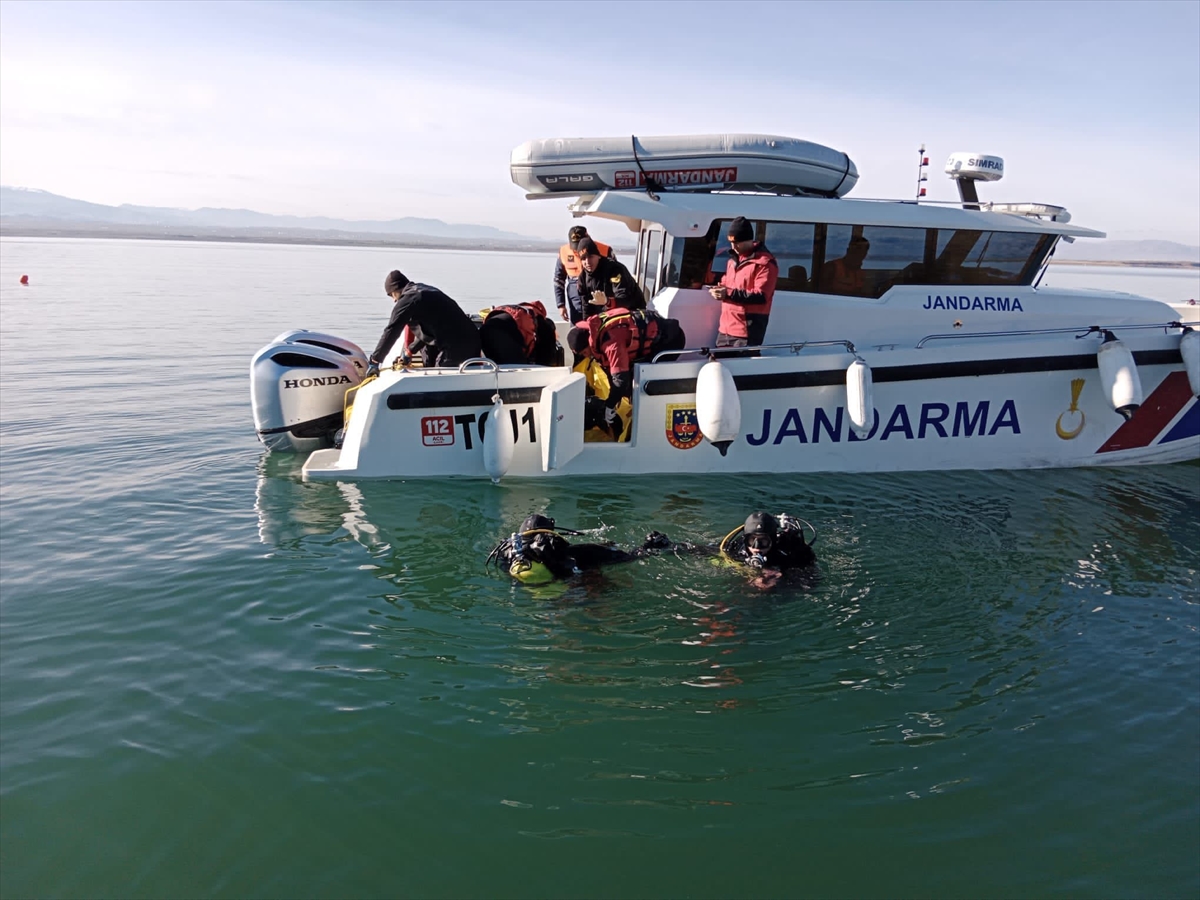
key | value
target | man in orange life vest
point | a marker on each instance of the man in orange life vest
(617, 339)
(518, 334)
(605, 283)
(571, 304)
(747, 288)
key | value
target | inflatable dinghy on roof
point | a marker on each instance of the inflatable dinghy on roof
(704, 162)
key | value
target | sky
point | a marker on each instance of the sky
(375, 110)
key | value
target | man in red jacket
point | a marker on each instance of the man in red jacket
(746, 289)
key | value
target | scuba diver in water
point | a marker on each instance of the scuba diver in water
(770, 544)
(539, 553)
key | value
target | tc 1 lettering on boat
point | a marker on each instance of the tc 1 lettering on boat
(473, 427)
(932, 420)
(996, 304)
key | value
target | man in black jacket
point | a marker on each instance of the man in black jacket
(605, 283)
(439, 328)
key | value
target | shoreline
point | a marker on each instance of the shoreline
(217, 235)
(410, 242)
(1130, 263)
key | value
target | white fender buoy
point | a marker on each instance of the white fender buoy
(497, 441)
(1189, 349)
(1119, 376)
(860, 402)
(718, 406)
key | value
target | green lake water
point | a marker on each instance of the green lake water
(216, 680)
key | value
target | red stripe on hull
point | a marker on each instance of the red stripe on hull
(1153, 416)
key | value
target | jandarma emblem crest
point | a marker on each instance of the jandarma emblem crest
(683, 428)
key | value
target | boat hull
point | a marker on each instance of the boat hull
(997, 407)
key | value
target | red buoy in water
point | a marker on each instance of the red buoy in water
(24, 279)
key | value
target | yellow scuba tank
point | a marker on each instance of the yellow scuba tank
(528, 572)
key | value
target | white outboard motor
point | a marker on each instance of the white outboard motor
(329, 342)
(718, 406)
(297, 391)
(1119, 376)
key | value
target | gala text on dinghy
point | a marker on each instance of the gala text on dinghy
(944, 353)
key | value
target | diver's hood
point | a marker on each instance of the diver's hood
(537, 523)
(760, 523)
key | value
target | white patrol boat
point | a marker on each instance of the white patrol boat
(934, 350)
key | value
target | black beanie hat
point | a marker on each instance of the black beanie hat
(741, 230)
(586, 247)
(394, 282)
(578, 339)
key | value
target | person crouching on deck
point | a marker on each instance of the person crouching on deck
(617, 339)
(444, 334)
(519, 334)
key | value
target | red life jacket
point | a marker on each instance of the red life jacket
(570, 259)
(527, 316)
(621, 337)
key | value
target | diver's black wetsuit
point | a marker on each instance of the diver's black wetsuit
(789, 552)
(564, 559)
(540, 543)
(787, 548)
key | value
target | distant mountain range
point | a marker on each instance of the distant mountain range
(1142, 251)
(42, 207)
(34, 212)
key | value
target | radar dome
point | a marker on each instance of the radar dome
(976, 166)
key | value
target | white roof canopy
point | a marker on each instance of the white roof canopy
(689, 214)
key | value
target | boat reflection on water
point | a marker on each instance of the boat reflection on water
(290, 510)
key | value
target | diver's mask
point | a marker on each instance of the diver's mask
(757, 548)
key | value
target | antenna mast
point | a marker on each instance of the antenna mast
(922, 162)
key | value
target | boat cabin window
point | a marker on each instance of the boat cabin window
(697, 262)
(988, 257)
(792, 245)
(649, 261)
(865, 260)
